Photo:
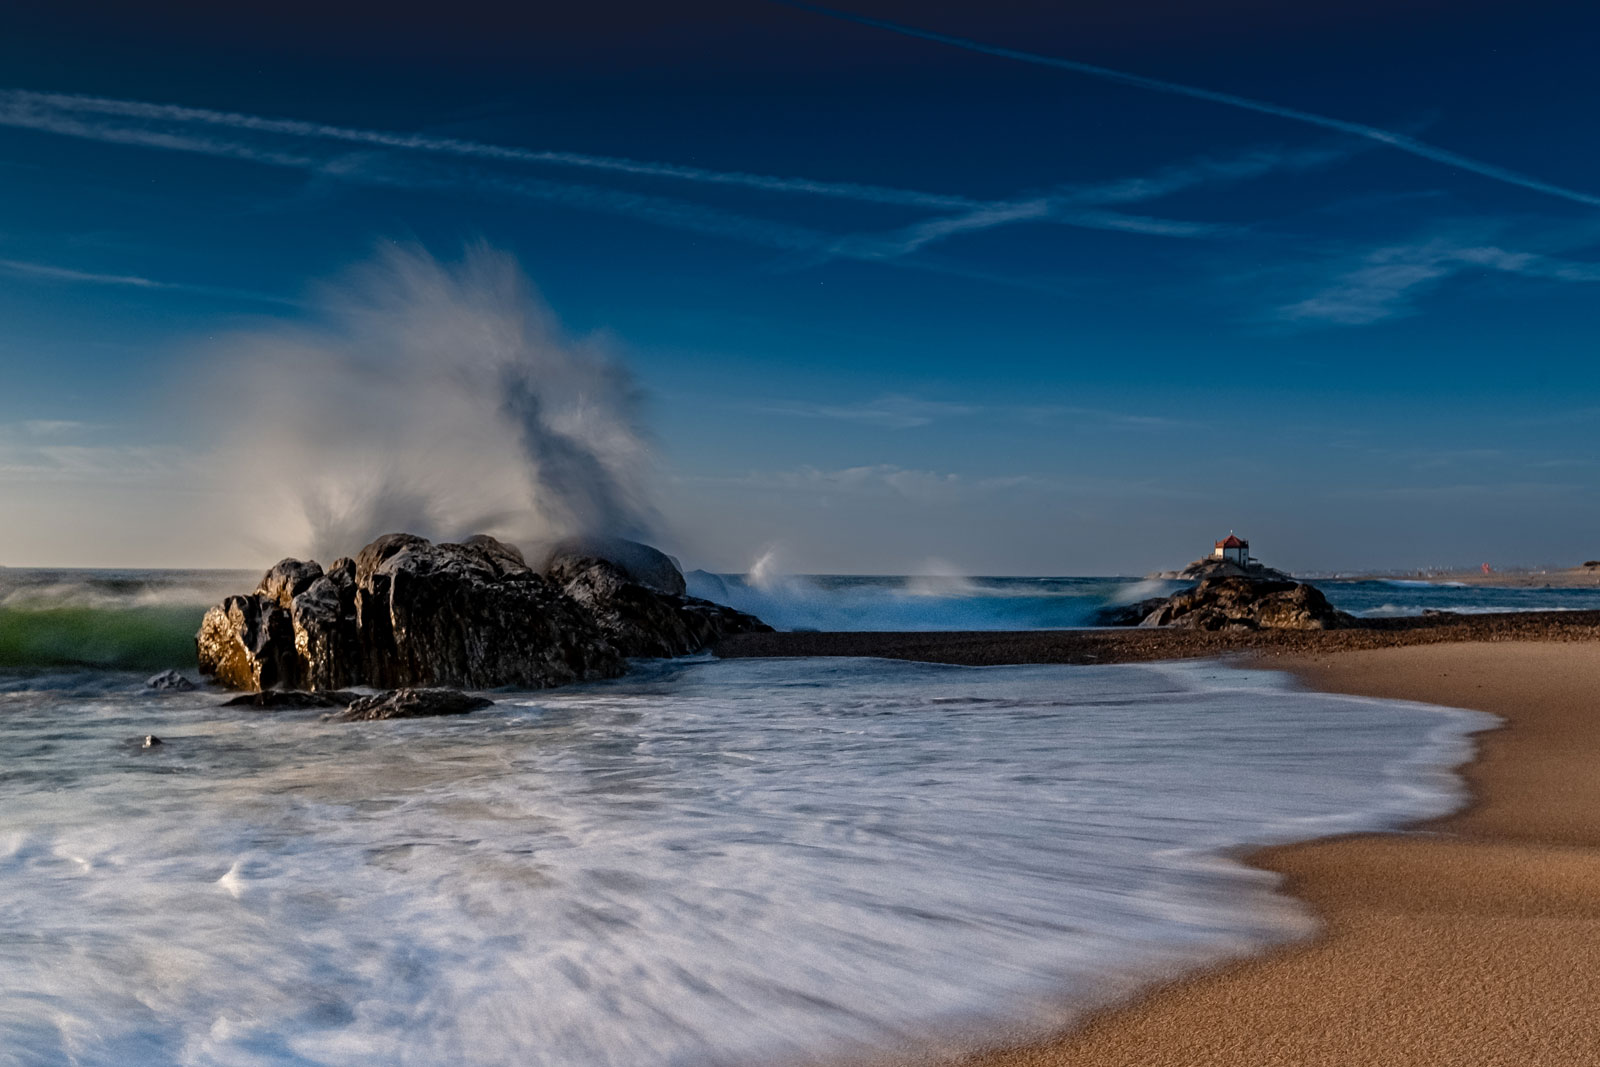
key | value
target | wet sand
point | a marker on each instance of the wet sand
(1472, 940)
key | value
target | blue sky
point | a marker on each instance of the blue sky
(893, 303)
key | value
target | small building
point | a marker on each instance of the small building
(1234, 550)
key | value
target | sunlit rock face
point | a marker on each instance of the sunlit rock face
(410, 613)
(1249, 604)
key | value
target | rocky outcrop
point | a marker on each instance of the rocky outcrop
(1249, 604)
(409, 704)
(1211, 567)
(640, 564)
(408, 613)
(1127, 614)
(638, 619)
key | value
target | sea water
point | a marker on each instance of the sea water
(146, 620)
(708, 862)
(879, 602)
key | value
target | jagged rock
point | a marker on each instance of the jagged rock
(1211, 567)
(638, 619)
(409, 613)
(287, 579)
(247, 642)
(1249, 604)
(151, 741)
(409, 704)
(169, 681)
(290, 699)
(1127, 614)
(640, 564)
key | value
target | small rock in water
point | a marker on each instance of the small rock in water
(409, 704)
(169, 680)
(151, 741)
(288, 699)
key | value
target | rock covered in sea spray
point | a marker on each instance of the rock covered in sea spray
(626, 598)
(410, 613)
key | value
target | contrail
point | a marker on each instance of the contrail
(52, 272)
(1394, 140)
(22, 102)
(88, 117)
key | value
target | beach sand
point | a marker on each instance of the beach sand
(1473, 940)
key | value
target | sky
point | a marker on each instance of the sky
(1002, 288)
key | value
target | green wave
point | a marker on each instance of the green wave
(122, 638)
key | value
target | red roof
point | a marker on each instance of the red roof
(1233, 542)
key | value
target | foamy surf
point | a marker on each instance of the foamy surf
(708, 863)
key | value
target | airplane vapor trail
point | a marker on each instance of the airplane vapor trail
(1398, 141)
(23, 101)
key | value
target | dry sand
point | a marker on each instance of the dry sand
(1474, 940)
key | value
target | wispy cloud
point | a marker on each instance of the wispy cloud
(53, 273)
(1386, 281)
(178, 128)
(874, 480)
(22, 104)
(898, 411)
(52, 450)
(1086, 206)
(895, 411)
(1389, 138)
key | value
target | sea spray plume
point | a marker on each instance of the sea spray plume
(439, 398)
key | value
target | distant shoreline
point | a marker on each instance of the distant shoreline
(980, 648)
(1571, 578)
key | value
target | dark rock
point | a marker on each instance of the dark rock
(1127, 614)
(289, 699)
(169, 681)
(247, 642)
(1249, 604)
(471, 616)
(1211, 567)
(287, 579)
(409, 704)
(409, 613)
(151, 741)
(641, 564)
(639, 620)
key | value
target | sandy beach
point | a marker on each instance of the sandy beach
(1472, 940)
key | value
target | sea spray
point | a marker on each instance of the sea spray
(439, 398)
(707, 863)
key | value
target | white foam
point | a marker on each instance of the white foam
(709, 863)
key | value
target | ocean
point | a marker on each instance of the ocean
(706, 862)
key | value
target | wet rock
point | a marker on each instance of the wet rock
(639, 563)
(169, 681)
(287, 579)
(409, 613)
(247, 642)
(1211, 567)
(1249, 604)
(1127, 614)
(639, 619)
(151, 741)
(409, 703)
(291, 699)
